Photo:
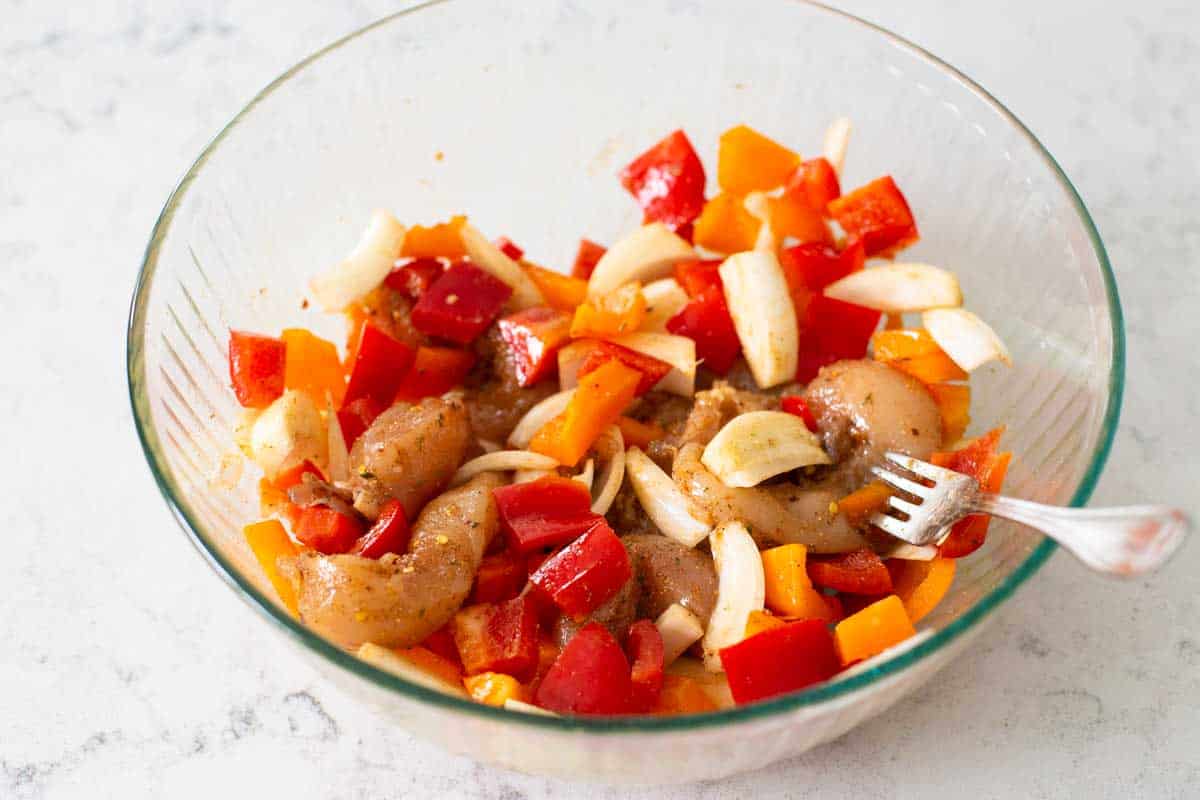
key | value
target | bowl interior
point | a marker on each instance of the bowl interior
(519, 115)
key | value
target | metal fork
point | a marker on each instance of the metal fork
(1119, 541)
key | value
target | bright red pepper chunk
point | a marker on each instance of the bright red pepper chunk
(817, 182)
(697, 276)
(377, 367)
(653, 370)
(878, 214)
(389, 534)
(780, 660)
(544, 513)
(644, 646)
(435, 371)
(256, 368)
(586, 573)
(441, 642)
(795, 404)
(586, 258)
(705, 320)
(980, 460)
(498, 638)
(857, 572)
(460, 304)
(509, 249)
(534, 337)
(500, 577)
(590, 676)
(667, 181)
(414, 278)
(327, 531)
(355, 417)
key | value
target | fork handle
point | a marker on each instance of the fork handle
(1120, 541)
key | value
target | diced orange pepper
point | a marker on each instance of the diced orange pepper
(428, 661)
(747, 161)
(269, 542)
(760, 621)
(859, 505)
(790, 592)
(725, 226)
(272, 501)
(639, 434)
(559, 291)
(915, 352)
(872, 630)
(601, 397)
(493, 688)
(442, 240)
(682, 695)
(921, 585)
(893, 321)
(312, 366)
(619, 312)
(792, 215)
(954, 401)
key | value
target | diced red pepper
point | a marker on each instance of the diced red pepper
(813, 266)
(644, 647)
(667, 181)
(500, 577)
(509, 249)
(544, 513)
(355, 417)
(705, 320)
(590, 676)
(817, 181)
(377, 366)
(461, 304)
(858, 572)
(980, 460)
(327, 531)
(414, 278)
(498, 638)
(534, 337)
(697, 276)
(652, 369)
(435, 371)
(795, 404)
(441, 642)
(294, 476)
(588, 255)
(878, 214)
(779, 660)
(256, 368)
(586, 573)
(389, 534)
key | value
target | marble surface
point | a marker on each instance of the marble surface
(127, 670)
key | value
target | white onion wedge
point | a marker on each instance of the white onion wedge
(365, 267)
(837, 140)
(895, 548)
(662, 501)
(538, 416)
(501, 461)
(528, 475)
(648, 253)
(521, 707)
(741, 588)
(761, 306)
(488, 445)
(678, 351)
(969, 341)
(680, 629)
(611, 446)
(339, 455)
(758, 204)
(759, 445)
(898, 288)
(587, 475)
(389, 661)
(490, 258)
(664, 299)
(288, 432)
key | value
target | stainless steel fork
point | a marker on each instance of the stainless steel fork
(1119, 541)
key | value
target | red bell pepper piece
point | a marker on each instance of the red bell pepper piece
(544, 513)
(817, 182)
(878, 214)
(644, 646)
(500, 577)
(813, 266)
(667, 181)
(858, 572)
(498, 638)
(509, 249)
(586, 573)
(590, 676)
(327, 531)
(355, 417)
(980, 460)
(461, 304)
(705, 320)
(653, 370)
(389, 534)
(435, 371)
(534, 337)
(256, 368)
(414, 278)
(795, 404)
(780, 660)
(696, 276)
(377, 366)
(294, 476)
(441, 642)
(586, 258)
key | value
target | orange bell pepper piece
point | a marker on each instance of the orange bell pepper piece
(790, 592)
(428, 661)
(921, 585)
(859, 505)
(725, 226)
(792, 215)
(269, 542)
(559, 291)
(760, 621)
(442, 240)
(872, 630)
(602, 395)
(915, 352)
(682, 695)
(747, 161)
(639, 434)
(493, 688)
(619, 312)
(954, 401)
(312, 366)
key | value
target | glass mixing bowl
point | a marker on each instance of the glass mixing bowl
(520, 114)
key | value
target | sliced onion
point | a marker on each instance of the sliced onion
(538, 416)
(365, 267)
(662, 501)
(501, 461)
(898, 288)
(741, 588)
(969, 341)
(648, 253)
(528, 475)
(521, 707)
(887, 547)
(837, 140)
(488, 445)
(587, 475)
(608, 482)
(759, 445)
(763, 315)
(390, 661)
(243, 426)
(678, 351)
(664, 299)
(758, 204)
(339, 455)
(288, 432)
(680, 629)
(488, 257)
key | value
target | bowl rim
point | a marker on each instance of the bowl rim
(813, 696)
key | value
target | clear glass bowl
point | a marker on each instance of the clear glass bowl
(520, 114)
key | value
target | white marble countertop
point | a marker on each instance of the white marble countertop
(127, 670)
